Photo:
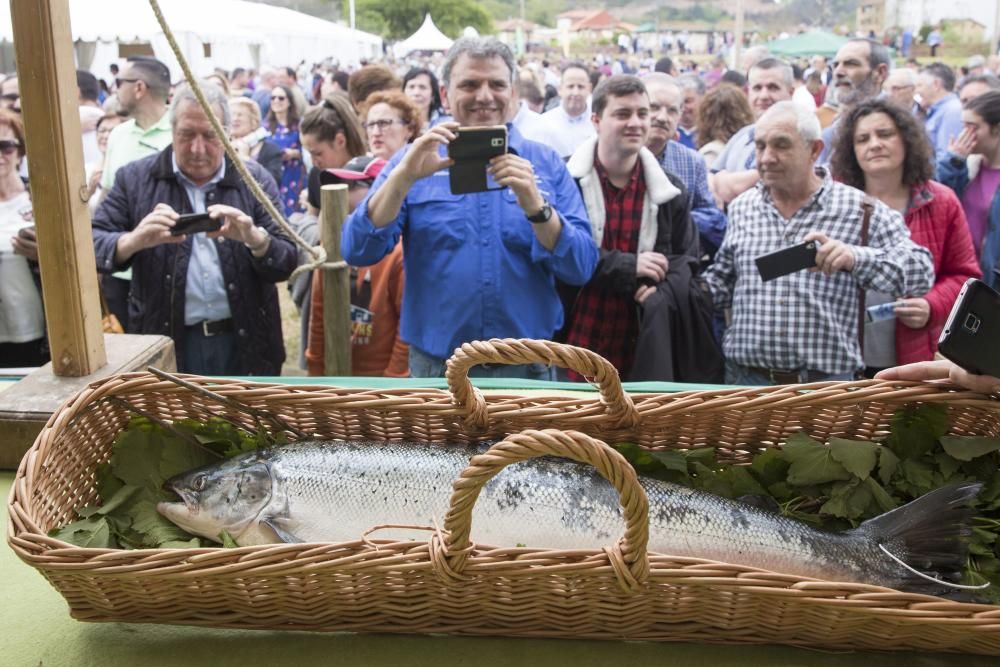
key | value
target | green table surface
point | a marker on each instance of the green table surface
(37, 628)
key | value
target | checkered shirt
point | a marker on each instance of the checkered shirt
(689, 167)
(606, 322)
(809, 319)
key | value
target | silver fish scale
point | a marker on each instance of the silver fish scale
(337, 491)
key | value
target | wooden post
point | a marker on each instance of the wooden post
(336, 284)
(47, 81)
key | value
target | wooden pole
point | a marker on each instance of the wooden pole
(336, 284)
(47, 82)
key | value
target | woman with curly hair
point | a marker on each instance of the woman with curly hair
(722, 113)
(884, 151)
(391, 120)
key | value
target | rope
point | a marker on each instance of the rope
(318, 253)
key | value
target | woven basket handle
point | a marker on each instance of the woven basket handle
(627, 557)
(513, 351)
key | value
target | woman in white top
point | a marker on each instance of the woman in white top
(94, 170)
(22, 318)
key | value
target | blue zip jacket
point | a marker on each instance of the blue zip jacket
(474, 268)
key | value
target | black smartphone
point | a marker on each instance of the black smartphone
(787, 260)
(192, 223)
(971, 334)
(472, 151)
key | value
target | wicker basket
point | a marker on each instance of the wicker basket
(446, 584)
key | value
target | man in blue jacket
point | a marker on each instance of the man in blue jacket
(481, 265)
(214, 294)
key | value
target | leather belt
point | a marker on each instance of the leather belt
(211, 328)
(778, 376)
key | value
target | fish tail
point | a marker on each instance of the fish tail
(929, 534)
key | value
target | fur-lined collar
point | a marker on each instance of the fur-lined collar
(659, 189)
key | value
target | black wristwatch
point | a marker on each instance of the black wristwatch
(544, 214)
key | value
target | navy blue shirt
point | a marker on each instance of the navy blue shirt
(474, 268)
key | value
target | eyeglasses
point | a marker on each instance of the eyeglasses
(382, 125)
(8, 147)
(11, 97)
(278, 98)
(119, 81)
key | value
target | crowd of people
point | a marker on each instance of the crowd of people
(626, 215)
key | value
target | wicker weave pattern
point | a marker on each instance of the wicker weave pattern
(448, 585)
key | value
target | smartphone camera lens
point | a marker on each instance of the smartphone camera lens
(971, 323)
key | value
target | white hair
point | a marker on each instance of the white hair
(907, 74)
(805, 121)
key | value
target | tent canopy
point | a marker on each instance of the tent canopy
(220, 33)
(812, 43)
(426, 38)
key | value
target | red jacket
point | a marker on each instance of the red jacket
(937, 222)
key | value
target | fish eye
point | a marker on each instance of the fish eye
(199, 482)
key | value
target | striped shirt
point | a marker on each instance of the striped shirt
(809, 320)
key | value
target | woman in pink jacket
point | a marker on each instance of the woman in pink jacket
(882, 150)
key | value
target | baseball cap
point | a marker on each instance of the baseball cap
(361, 168)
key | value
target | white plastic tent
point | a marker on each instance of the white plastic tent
(426, 38)
(211, 33)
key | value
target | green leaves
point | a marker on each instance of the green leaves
(857, 456)
(812, 462)
(143, 457)
(966, 449)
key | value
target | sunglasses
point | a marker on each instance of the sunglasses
(119, 81)
(8, 147)
(11, 97)
(278, 98)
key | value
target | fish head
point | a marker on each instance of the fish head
(227, 496)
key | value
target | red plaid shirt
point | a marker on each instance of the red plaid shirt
(602, 321)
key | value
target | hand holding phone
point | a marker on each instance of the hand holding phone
(192, 223)
(787, 260)
(970, 334)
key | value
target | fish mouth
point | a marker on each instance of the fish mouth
(186, 499)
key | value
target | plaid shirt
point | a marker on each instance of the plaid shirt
(603, 321)
(688, 166)
(805, 319)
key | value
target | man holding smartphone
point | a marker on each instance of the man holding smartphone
(479, 265)
(215, 294)
(803, 327)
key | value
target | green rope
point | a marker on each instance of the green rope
(318, 253)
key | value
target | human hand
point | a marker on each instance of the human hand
(963, 144)
(643, 293)
(832, 255)
(290, 154)
(913, 313)
(518, 174)
(95, 181)
(652, 265)
(154, 229)
(423, 159)
(236, 225)
(26, 243)
(942, 370)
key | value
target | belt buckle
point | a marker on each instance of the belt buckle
(204, 329)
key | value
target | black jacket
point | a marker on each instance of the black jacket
(270, 158)
(159, 275)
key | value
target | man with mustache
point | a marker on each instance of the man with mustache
(665, 100)
(803, 327)
(568, 125)
(640, 220)
(770, 81)
(481, 265)
(859, 70)
(213, 293)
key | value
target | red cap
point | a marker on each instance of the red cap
(361, 168)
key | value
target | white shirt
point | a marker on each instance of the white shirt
(565, 132)
(530, 124)
(22, 318)
(804, 99)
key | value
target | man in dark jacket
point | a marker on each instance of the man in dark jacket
(640, 219)
(214, 293)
